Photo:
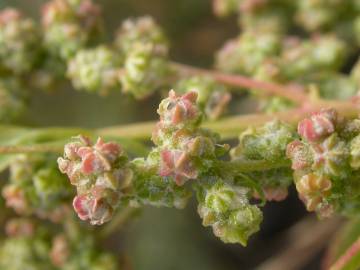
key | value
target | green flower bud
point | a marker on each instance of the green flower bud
(70, 25)
(19, 42)
(37, 187)
(247, 53)
(322, 53)
(151, 189)
(227, 210)
(265, 143)
(64, 40)
(331, 157)
(143, 70)
(212, 97)
(95, 70)
(319, 14)
(142, 30)
(274, 183)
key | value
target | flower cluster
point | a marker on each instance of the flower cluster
(184, 149)
(26, 248)
(321, 161)
(227, 210)
(268, 143)
(267, 50)
(141, 30)
(37, 187)
(95, 70)
(143, 70)
(72, 254)
(101, 175)
(19, 42)
(69, 26)
(184, 155)
(36, 246)
(212, 97)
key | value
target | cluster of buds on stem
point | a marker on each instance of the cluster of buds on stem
(184, 149)
(70, 25)
(19, 42)
(101, 175)
(227, 209)
(37, 187)
(268, 143)
(95, 70)
(321, 161)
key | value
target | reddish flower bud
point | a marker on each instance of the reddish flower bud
(298, 154)
(178, 164)
(318, 126)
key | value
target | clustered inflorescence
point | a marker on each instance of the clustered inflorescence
(267, 48)
(321, 157)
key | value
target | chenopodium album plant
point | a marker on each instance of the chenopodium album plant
(293, 57)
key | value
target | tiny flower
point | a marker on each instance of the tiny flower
(97, 210)
(299, 155)
(101, 175)
(318, 126)
(177, 164)
(95, 70)
(313, 189)
(178, 111)
(331, 156)
(141, 30)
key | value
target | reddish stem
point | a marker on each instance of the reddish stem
(347, 256)
(291, 92)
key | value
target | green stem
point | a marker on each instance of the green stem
(242, 166)
(230, 127)
(30, 149)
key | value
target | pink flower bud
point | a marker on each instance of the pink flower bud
(177, 163)
(90, 208)
(318, 126)
(297, 152)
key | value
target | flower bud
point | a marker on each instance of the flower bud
(313, 190)
(299, 154)
(19, 42)
(141, 30)
(101, 175)
(152, 189)
(265, 143)
(212, 97)
(143, 70)
(331, 157)
(69, 26)
(178, 112)
(318, 126)
(227, 210)
(95, 70)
